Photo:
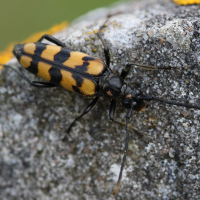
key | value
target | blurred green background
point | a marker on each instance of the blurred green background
(21, 18)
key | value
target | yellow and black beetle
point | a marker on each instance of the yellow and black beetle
(85, 75)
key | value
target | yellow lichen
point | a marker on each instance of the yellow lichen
(6, 55)
(152, 122)
(186, 2)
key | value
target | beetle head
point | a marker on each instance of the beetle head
(132, 98)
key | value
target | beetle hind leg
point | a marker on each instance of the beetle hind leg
(33, 83)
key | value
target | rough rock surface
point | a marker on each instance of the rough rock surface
(36, 164)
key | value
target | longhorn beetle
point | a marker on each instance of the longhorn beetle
(85, 75)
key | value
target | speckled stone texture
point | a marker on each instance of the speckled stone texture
(36, 164)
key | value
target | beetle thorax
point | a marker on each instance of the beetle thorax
(113, 86)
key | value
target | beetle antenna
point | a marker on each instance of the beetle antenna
(125, 150)
(149, 98)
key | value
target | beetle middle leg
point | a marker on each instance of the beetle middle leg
(87, 109)
(52, 39)
(126, 69)
(106, 49)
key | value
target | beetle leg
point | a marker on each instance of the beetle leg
(33, 83)
(125, 71)
(42, 84)
(87, 109)
(112, 115)
(150, 67)
(106, 49)
(128, 66)
(52, 39)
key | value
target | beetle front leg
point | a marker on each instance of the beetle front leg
(125, 71)
(106, 49)
(128, 66)
(112, 115)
